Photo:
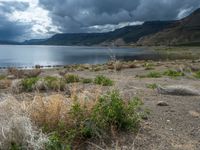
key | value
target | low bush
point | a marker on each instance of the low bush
(102, 80)
(28, 84)
(148, 66)
(71, 78)
(111, 111)
(118, 65)
(152, 86)
(2, 77)
(86, 80)
(173, 73)
(93, 119)
(154, 75)
(197, 74)
(54, 83)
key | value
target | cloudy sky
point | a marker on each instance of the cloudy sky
(27, 19)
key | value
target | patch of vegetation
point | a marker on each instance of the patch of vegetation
(28, 84)
(71, 78)
(152, 86)
(111, 110)
(102, 80)
(54, 83)
(86, 80)
(173, 73)
(109, 113)
(2, 77)
(148, 66)
(151, 75)
(197, 75)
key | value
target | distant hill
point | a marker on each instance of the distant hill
(122, 36)
(184, 32)
(33, 41)
(8, 43)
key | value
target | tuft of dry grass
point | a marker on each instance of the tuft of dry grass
(32, 73)
(48, 110)
(17, 73)
(17, 130)
(5, 83)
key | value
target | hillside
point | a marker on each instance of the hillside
(122, 36)
(8, 43)
(184, 32)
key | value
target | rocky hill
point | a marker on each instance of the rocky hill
(184, 32)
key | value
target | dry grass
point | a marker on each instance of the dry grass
(49, 110)
(5, 83)
(17, 73)
(17, 129)
(32, 73)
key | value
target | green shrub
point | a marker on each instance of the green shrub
(2, 77)
(28, 84)
(173, 73)
(86, 81)
(148, 66)
(71, 78)
(54, 83)
(152, 86)
(154, 75)
(197, 75)
(111, 110)
(102, 80)
(94, 120)
(56, 143)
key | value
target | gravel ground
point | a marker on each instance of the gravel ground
(172, 127)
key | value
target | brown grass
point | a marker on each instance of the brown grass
(5, 83)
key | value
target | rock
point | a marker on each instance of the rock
(11, 77)
(179, 90)
(194, 114)
(162, 103)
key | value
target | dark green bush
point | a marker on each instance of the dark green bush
(96, 121)
(2, 77)
(152, 86)
(154, 75)
(111, 110)
(28, 84)
(102, 80)
(197, 75)
(71, 78)
(173, 73)
(86, 81)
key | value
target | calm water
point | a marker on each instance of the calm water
(29, 56)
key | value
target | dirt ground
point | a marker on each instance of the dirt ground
(172, 127)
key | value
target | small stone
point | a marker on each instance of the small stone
(162, 103)
(11, 77)
(194, 114)
(168, 121)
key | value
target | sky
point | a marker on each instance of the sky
(35, 19)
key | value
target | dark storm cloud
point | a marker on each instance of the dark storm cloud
(78, 15)
(12, 30)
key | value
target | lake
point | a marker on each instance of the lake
(29, 56)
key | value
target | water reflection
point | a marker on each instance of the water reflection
(28, 56)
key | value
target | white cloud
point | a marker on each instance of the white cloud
(41, 23)
(112, 27)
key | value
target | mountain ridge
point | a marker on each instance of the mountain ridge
(185, 32)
